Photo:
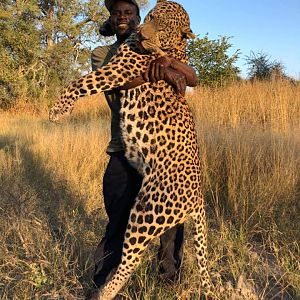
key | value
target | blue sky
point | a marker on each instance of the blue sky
(270, 26)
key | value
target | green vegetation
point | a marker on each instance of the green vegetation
(261, 67)
(44, 45)
(214, 66)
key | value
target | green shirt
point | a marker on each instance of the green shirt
(100, 57)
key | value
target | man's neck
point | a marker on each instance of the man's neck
(121, 39)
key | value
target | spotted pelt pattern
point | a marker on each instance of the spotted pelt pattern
(160, 140)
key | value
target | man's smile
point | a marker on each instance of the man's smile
(122, 25)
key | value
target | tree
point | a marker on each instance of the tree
(261, 67)
(19, 43)
(214, 66)
(44, 44)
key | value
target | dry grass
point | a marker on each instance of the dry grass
(52, 216)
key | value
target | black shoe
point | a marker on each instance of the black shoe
(91, 294)
(170, 277)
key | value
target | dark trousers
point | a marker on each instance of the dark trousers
(121, 184)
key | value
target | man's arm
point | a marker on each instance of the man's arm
(174, 72)
(160, 66)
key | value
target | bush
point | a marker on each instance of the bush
(214, 66)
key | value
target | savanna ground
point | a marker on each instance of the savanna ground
(52, 215)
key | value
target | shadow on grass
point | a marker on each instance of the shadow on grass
(54, 200)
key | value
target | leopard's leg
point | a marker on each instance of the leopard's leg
(108, 77)
(200, 240)
(143, 226)
(137, 237)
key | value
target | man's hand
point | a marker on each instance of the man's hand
(156, 70)
(176, 79)
(160, 69)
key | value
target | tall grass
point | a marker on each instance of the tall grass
(250, 141)
(52, 215)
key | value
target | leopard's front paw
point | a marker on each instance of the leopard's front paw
(54, 114)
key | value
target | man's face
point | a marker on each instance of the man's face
(124, 18)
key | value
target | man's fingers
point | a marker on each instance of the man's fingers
(182, 89)
(162, 72)
(152, 72)
(156, 71)
(180, 85)
(159, 72)
(146, 75)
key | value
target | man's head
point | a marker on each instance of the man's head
(124, 18)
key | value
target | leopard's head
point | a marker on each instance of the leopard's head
(166, 26)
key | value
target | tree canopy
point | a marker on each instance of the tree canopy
(262, 67)
(45, 43)
(210, 58)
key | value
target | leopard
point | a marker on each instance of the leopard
(160, 140)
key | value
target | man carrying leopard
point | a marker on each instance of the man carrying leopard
(121, 181)
(159, 137)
